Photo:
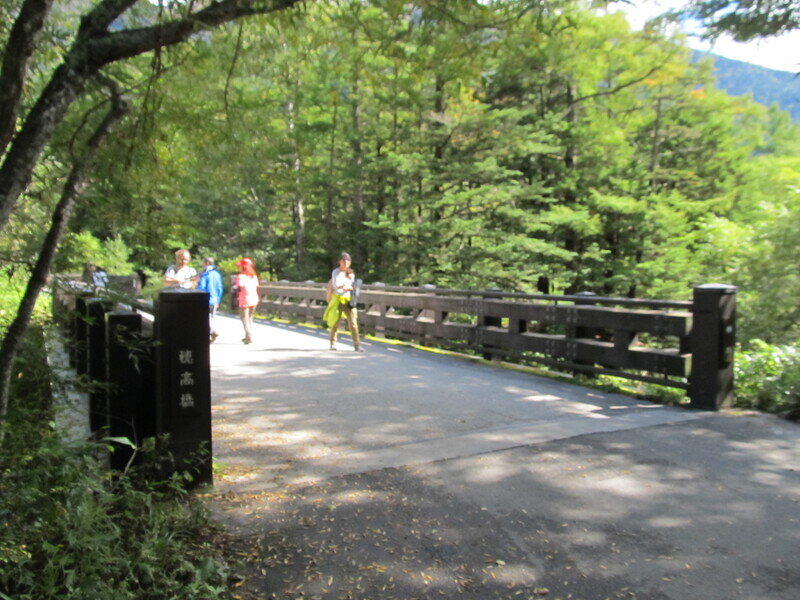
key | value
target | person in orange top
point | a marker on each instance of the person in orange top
(245, 284)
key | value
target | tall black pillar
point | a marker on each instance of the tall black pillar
(126, 358)
(96, 310)
(712, 341)
(183, 379)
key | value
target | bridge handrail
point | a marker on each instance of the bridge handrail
(589, 334)
(555, 298)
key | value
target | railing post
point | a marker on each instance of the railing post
(96, 309)
(575, 332)
(124, 374)
(425, 315)
(183, 379)
(308, 304)
(712, 341)
(380, 329)
(487, 321)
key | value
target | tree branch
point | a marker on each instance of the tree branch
(97, 20)
(19, 48)
(229, 77)
(621, 86)
(119, 45)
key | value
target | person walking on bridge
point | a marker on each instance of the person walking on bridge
(245, 285)
(211, 281)
(180, 274)
(341, 303)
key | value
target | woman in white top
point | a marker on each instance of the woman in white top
(343, 281)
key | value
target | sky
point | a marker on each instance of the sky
(781, 53)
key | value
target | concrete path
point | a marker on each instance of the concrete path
(397, 473)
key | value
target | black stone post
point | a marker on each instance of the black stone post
(77, 355)
(712, 341)
(183, 380)
(124, 374)
(96, 310)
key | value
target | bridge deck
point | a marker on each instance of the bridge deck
(704, 508)
(288, 410)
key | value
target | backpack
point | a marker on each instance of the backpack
(234, 297)
(355, 293)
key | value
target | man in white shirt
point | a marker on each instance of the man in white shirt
(181, 274)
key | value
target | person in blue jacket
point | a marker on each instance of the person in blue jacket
(211, 282)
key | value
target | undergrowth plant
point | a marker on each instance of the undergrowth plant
(73, 530)
(768, 378)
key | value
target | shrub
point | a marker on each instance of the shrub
(768, 378)
(73, 530)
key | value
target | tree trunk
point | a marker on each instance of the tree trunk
(298, 210)
(28, 144)
(74, 186)
(656, 149)
(21, 44)
(329, 225)
(358, 158)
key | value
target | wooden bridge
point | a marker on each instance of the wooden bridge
(406, 473)
(393, 403)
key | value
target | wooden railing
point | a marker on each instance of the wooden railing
(686, 345)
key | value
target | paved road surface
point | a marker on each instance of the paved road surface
(398, 473)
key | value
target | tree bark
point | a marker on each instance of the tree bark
(298, 209)
(93, 48)
(329, 232)
(21, 44)
(74, 186)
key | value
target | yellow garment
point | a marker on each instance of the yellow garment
(333, 312)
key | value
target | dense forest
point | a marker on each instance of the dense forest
(463, 143)
(459, 144)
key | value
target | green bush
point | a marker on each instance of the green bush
(768, 378)
(72, 531)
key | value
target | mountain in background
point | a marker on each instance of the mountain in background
(766, 85)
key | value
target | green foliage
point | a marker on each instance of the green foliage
(746, 19)
(79, 249)
(768, 378)
(562, 145)
(72, 532)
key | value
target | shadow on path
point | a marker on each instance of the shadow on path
(700, 508)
